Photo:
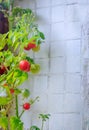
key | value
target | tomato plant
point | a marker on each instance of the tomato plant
(15, 64)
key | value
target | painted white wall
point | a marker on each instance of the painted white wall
(59, 82)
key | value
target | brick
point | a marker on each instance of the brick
(58, 13)
(40, 3)
(40, 83)
(43, 18)
(57, 65)
(73, 83)
(72, 1)
(72, 122)
(44, 63)
(56, 122)
(73, 103)
(56, 84)
(28, 84)
(57, 2)
(73, 30)
(73, 64)
(73, 48)
(26, 118)
(83, 2)
(45, 28)
(42, 105)
(26, 4)
(57, 48)
(55, 103)
(30, 53)
(82, 12)
(71, 13)
(44, 51)
(58, 31)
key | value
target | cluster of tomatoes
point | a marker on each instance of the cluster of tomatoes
(26, 105)
(32, 45)
(25, 66)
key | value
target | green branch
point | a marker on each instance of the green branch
(17, 113)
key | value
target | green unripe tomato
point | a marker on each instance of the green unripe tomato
(35, 68)
(25, 93)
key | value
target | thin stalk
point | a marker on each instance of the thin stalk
(21, 114)
(11, 5)
(42, 125)
(16, 99)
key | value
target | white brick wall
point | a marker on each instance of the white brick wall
(59, 82)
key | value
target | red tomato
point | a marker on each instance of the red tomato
(2, 69)
(30, 46)
(26, 106)
(24, 65)
(12, 91)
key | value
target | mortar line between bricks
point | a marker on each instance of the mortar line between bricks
(66, 4)
(57, 74)
(49, 51)
(82, 76)
(59, 113)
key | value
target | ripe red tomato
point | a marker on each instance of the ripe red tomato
(26, 106)
(24, 65)
(30, 46)
(12, 91)
(2, 70)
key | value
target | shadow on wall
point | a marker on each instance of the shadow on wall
(85, 72)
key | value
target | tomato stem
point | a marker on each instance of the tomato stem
(42, 125)
(21, 114)
(16, 98)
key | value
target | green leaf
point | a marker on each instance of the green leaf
(20, 78)
(30, 60)
(42, 35)
(5, 96)
(16, 123)
(34, 128)
(4, 122)
(17, 73)
(23, 78)
(17, 91)
(44, 117)
(5, 100)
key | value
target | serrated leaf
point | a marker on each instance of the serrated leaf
(18, 73)
(30, 60)
(17, 91)
(34, 128)
(42, 35)
(4, 122)
(16, 123)
(5, 100)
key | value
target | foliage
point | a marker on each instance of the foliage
(34, 128)
(22, 35)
